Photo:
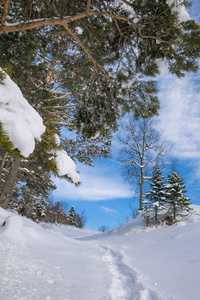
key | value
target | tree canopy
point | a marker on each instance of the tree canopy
(81, 64)
(96, 51)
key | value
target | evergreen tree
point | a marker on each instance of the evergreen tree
(31, 206)
(156, 196)
(175, 194)
(76, 219)
(72, 216)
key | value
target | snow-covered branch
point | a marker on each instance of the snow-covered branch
(20, 121)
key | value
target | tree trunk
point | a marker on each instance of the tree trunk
(5, 170)
(141, 188)
(156, 215)
(3, 163)
(174, 211)
(9, 184)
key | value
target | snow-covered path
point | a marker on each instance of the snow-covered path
(125, 282)
(25, 277)
(128, 263)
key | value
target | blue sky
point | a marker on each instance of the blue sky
(104, 195)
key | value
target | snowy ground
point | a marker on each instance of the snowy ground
(128, 263)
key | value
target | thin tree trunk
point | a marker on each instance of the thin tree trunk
(7, 167)
(156, 215)
(2, 163)
(9, 184)
(141, 188)
(174, 211)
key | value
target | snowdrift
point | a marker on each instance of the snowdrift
(130, 262)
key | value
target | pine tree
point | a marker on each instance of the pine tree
(77, 220)
(72, 216)
(175, 190)
(156, 196)
(30, 205)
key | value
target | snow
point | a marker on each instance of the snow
(19, 119)
(46, 261)
(23, 125)
(65, 165)
(180, 9)
(162, 67)
(79, 30)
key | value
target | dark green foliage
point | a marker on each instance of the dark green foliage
(169, 196)
(30, 205)
(103, 73)
(175, 195)
(76, 219)
(155, 197)
(6, 145)
(72, 216)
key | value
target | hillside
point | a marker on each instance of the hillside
(129, 262)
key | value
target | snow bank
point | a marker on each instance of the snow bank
(13, 228)
(129, 262)
(4, 214)
(19, 119)
(48, 265)
(165, 258)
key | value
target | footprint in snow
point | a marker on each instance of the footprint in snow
(125, 283)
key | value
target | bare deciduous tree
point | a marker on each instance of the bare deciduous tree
(141, 149)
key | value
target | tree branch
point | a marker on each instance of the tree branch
(87, 52)
(20, 26)
(88, 6)
(3, 19)
(65, 106)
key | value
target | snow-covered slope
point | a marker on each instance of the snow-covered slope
(128, 263)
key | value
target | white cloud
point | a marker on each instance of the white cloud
(99, 183)
(109, 211)
(179, 115)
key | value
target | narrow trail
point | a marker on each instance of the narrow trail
(125, 284)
